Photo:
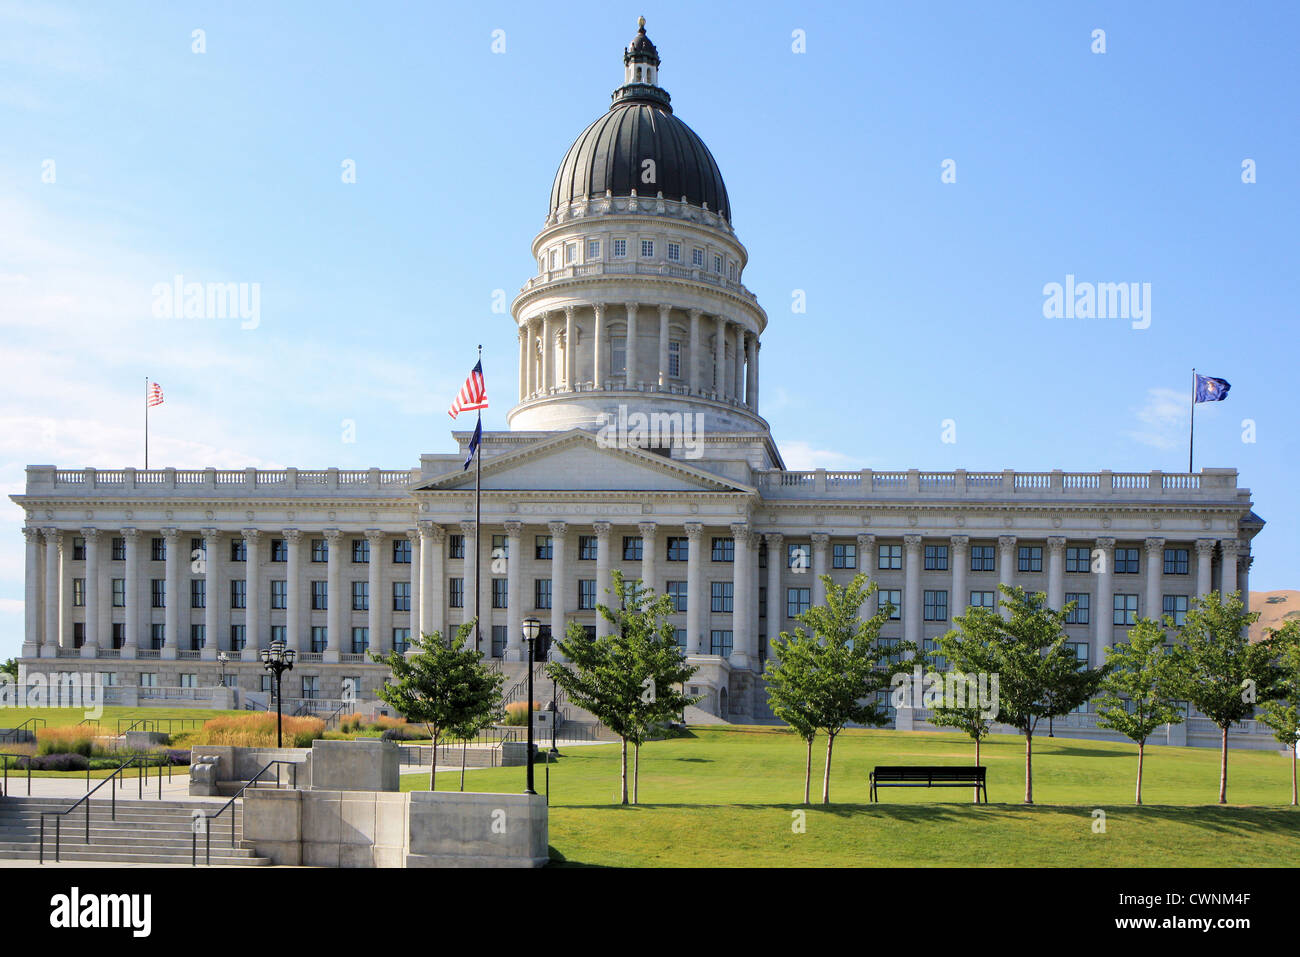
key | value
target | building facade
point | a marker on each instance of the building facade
(636, 444)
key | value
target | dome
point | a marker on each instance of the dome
(611, 153)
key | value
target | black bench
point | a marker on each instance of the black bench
(915, 776)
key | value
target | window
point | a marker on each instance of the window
(554, 258)
(677, 592)
(936, 558)
(119, 550)
(717, 264)
(797, 557)
(238, 637)
(762, 602)
(149, 679)
(1030, 558)
(158, 593)
(720, 643)
(724, 550)
(119, 592)
(586, 594)
(982, 599)
(78, 634)
(78, 548)
(844, 556)
(500, 546)
(632, 548)
(731, 270)
(697, 258)
(361, 596)
(1175, 561)
(936, 605)
(890, 557)
(593, 248)
(402, 596)
(1126, 561)
(720, 596)
(279, 593)
(198, 593)
(620, 248)
(678, 548)
(198, 637)
(157, 636)
(267, 685)
(320, 596)
(674, 359)
(238, 550)
(158, 549)
(647, 248)
(1080, 615)
(500, 597)
(797, 601)
(892, 597)
(618, 354)
(570, 253)
(360, 641)
(498, 641)
(198, 547)
(310, 686)
(401, 551)
(456, 594)
(1078, 561)
(1125, 610)
(542, 593)
(320, 550)
(543, 548)
(675, 252)
(981, 558)
(119, 634)
(279, 633)
(360, 551)
(937, 662)
(586, 548)
(894, 657)
(1175, 606)
(279, 550)
(401, 639)
(455, 546)
(319, 638)
(238, 593)
(679, 635)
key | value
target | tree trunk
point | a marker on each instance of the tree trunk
(636, 772)
(826, 777)
(1223, 768)
(807, 772)
(623, 773)
(1029, 767)
(1294, 749)
(1141, 752)
(433, 766)
(977, 764)
(464, 747)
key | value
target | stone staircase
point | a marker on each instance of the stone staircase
(145, 832)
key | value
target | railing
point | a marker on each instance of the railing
(778, 483)
(4, 790)
(58, 816)
(24, 732)
(519, 690)
(156, 724)
(244, 480)
(208, 819)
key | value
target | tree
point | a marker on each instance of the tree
(1219, 670)
(968, 652)
(791, 675)
(630, 679)
(1038, 676)
(10, 667)
(443, 685)
(1139, 692)
(1282, 712)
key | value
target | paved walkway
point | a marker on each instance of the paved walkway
(177, 789)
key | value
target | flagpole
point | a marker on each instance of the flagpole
(478, 523)
(146, 423)
(1191, 434)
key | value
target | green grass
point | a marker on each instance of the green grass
(59, 717)
(729, 797)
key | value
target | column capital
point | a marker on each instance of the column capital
(434, 532)
(819, 539)
(1154, 545)
(1105, 544)
(32, 534)
(959, 541)
(171, 533)
(693, 531)
(251, 535)
(914, 541)
(773, 540)
(1056, 542)
(741, 533)
(646, 528)
(569, 311)
(53, 536)
(293, 535)
(209, 534)
(90, 534)
(601, 529)
(598, 308)
(866, 541)
(467, 526)
(1006, 541)
(375, 536)
(1231, 546)
(695, 314)
(559, 530)
(631, 308)
(514, 528)
(412, 536)
(1205, 547)
(332, 535)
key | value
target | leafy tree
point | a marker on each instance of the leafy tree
(968, 652)
(791, 675)
(1219, 670)
(1282, 712)
(1139, 693)
(630, 679)
(1038, 676)
(442, 684)
(10, 667)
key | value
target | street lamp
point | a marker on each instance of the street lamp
(277, 660)
(555, 702)
(531, 629)
(222, 658)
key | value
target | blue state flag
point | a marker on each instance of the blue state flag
(473, 444)
(1210, 389)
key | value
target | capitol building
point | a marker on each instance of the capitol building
(637, 443)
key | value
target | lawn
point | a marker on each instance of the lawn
(58, 717)
(729, 797)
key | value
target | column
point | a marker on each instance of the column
(663, 347)
(293, 616)
(429, 589)
(253, 637)
(32, 593)
(1103, 558)
(132, 618)
(775, 607)
(720, 359)
(53, 575)
(695, 597)
(744, 644)
(514, 591)
(960, 563)
(559, 577)
(470, 576)
(335, 600)
(1155, 607)
(648, 546)
(523, 362)
(570, 349)
(693, 361)
(90, 647)
(632, 370)
(530, 360)
(1006, 566)
(211, 594)
(599, 345)
(819, 543)
(1056, 571)
(1243, 576)
(751, 372)
(172, 593)
(418, 594)
(602, 576)
(738, 366)
(866, 563)
(1204, 566)
(912, 606)
(380, 642)
(1228, 567)
(548, 355)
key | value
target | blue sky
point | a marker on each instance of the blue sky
(924, 298)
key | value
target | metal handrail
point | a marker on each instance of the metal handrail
(15, 732)
(207, 826)
(59, 815)
(4, 791)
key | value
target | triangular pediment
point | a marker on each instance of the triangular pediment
(576, 461)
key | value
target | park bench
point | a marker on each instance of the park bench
(929, 777)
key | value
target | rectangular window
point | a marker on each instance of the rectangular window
(675, 252)
(238, 637)
(543, 549)
(797, 601)
(593, 248)
(310, 686)
(697, 258)
(1078, 561)
(936, 605)
(936, 558)
(617, 355)
(981, 558)
(620, 248)
(542, 593)
(1176, 561)
(119, 549)
(401, 639)
(320, 550)
(279, 633)
(78, 548)
(498, 641)
(501, 546)
(500, 598)
(844, 556)
(320, 596)
(647, 248)
(731, 270)
(890, 557)
(586, 548)
(119, 592)
(319, 638)
(279, 593)
(678, 548)
(360, 551)
(586, 594)
(402, 596)
(238, 593)
(632, 548)
(189, 681)
(720, 643)
(677, 592)
(717, 264)
(570, 253)
(892, 597)
(401, 551)
(798, 557)
(720, 596)
(198, 637)
(724, 550)
(554, 258)
(888, 643)
(198, 593)
(119, 634)
(1081, 614)
(675, 359)
(238, 550)
(1175, 606)
(148, 679)
(360, 596)
(78, 634)
(360, 640)
(1126, 561)
(455, 546)
(157, 636)
(1125, 610)
(279, 550)
(158, 549)
(456, 594)
(679, 635)
(1030, 558)
(158, 593)
(982, 599)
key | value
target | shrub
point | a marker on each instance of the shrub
(258, 731)
(517, 712)
(66, 740)
(405, 732)
(56, 762)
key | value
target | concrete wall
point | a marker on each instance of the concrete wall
(455, 829)
(366, 764)
(240, 764)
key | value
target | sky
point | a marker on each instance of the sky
(916, 174)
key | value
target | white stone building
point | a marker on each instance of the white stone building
(636, 444)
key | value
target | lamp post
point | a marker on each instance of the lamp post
(277, 660)
(222, 659)
(531, 629)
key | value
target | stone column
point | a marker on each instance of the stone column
(254, 640)
(693, 361)
(548, 354)
(429, 589)
(53, 578)
(912, 605)
(720, 359)
(602, 576)
(530, 360)
(775, 600)
(570, 348)
(695, 596)
(630, 378)
(1155, 548)
(744, 646)
(1103, 617)
(211, 593)
(90, 647)
(648, 544)
(559, 578)
(173, 596)
(1229, 550)
(1056, 571)
(336, 602)
(132, 617)
(32, 593)
(751, 372)
(418, 594)
(523, 362)
(1243, 576)
(514, 591)
(819, 567)
(380, 641)
(293, 616)
(960, 563)
(470, 576)
(1204, 566)
(1006, 567)
(599, 345)
(663, 347)
(738, 366)
(866, 563)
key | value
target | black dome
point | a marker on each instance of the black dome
(610, 153)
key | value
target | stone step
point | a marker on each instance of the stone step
(116, 840)
(67, 852)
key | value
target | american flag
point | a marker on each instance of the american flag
(155, 394)
(472, 395)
